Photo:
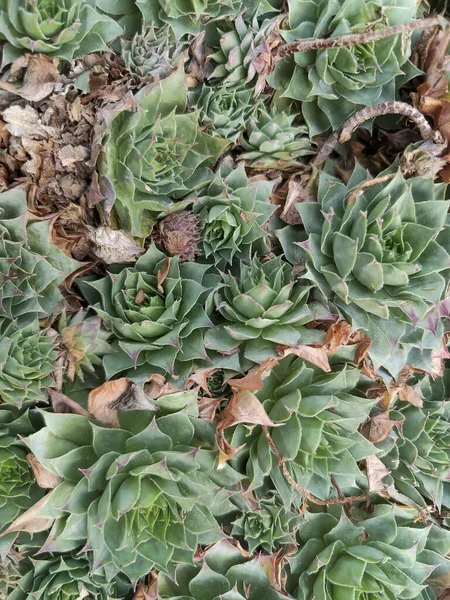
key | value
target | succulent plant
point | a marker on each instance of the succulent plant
(333, 83)
(125, 12)
(66, 577)
(262, 307)
(321, 413)
(380, 555)
(156, 155)
(27, 360)
(60, 28)
(9, 575)
(152, 484)
(155, 310)
(150, 55)
(381, 255)
(224, 111)
(245, 55)
(31, 267)
(83, 342)
(224, 573)
(178, 234)
(18, 488)
(233, 212)
(268, 527)
(417, 450)
(271, 141)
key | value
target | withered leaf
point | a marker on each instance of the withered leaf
(253, 381)
(226, 450)
(113, 245)
(30, 521)
(244, 407)
(156, 386)
(63, 404)
(314, 355)
(338, 335)
(44, 478)
(162, 274)
(207, 407)
(407, 394)
(40, 80)
(200, 378)
(376, 472)
(379, 427)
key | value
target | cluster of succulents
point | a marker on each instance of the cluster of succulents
(243, 391)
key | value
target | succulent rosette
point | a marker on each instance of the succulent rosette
(65, 578)
(156, 155)
(155, 311)
(151, 54)
(9, 575)
(320, 414)
(268, 527)
(333, 83)
(224, 111)
(83, 342)
(417, 449)
(233, 213)
(60, 28)
(31, 267)
(245, 56)
(27, 360)
(140, 496)
(224, 573)
(18, 488)
(380, 254)
(271, 141)
(382, 555)
(261, 307)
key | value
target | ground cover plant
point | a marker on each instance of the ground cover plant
(224, 300)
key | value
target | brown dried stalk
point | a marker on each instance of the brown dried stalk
(299, 488)
(367, 184)
(352, 39)
(344, 133)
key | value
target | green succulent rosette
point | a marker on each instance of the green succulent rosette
(382, 555)
(223, 574)
(155, 311)
(27, 361)
(9, 575)
(334, 83)
(238, 59)
(151, 54)
(61, 28)
(156, 155)
(223, 110)
(31, 267)
(260, 307)
(233, 213)
(271, 141)
(380, 254)
(320, 416)
(18, 487)
(417, 449)
(127, 13)
(268, 527)
(67, 577)
(140, 496)
(84, 342)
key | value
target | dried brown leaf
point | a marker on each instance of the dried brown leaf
(207, 407)
(338, 335)
(226, 450)
(314, 355)
(30, 521)
(156, 386)
(379, 427)
(44, 478)
(407, 394)
(113, 245)
(68, 155)
(162, 274)
(244, 407)
(40, 80)
(112, 396)
(376, 472)
(63, 404)
(200, 378)
(253, 381)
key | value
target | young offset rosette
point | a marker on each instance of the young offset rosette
(60, 28)
(233, 213)
(140, 496)
(319, 437)
(333, 83)
(417, 449)
(259, 307)
(380, 254)
(31, 267)
(381, 555)
(156, 155)
(223, 573)
(155, 311)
